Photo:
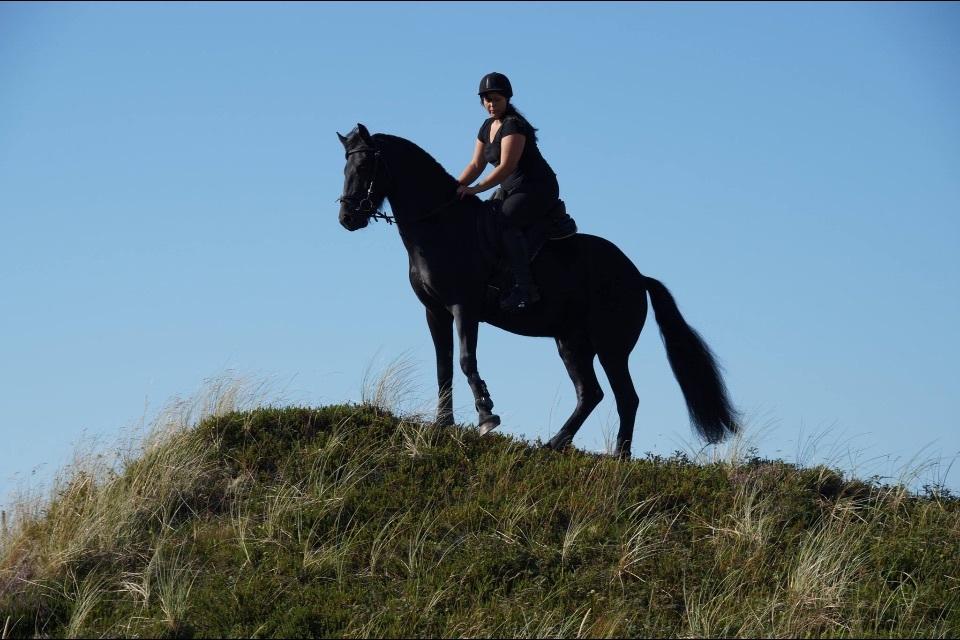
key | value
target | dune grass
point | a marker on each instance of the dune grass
(351, 521)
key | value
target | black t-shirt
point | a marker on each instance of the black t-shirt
(532, 167)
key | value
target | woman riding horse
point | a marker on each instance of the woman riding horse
(509, 142)
(594, 298)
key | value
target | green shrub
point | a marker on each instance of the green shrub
(348, 521)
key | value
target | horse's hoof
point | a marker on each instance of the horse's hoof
(489, 423)
(558, 446)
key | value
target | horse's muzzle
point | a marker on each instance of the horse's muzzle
(351, 221)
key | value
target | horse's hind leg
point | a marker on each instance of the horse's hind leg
(616, 365)
(578, 355)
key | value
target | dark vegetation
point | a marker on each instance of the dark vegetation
(348, 521)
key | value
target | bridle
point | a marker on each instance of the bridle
(365, 206)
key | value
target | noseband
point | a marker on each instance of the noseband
(365, 206)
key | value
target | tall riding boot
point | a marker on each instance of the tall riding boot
(524, 293)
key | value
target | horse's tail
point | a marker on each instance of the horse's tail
(694, 367)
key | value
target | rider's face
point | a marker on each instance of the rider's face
(495, 104)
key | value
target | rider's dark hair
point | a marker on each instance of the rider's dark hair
(512, 111)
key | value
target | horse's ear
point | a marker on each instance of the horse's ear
(364, 134)
(343, 140)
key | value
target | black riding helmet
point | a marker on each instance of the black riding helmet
(496, 82)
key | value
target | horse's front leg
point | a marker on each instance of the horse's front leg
(441, 330)
(468, 326)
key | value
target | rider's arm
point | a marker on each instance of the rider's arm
(511, 148)
(475, 167)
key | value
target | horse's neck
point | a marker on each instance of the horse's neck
(420, 184)
(450, 226)
(424, 199)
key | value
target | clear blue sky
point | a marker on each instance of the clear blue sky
(791, 171)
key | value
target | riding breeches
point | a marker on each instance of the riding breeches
(529, 202)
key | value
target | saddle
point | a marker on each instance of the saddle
(555, 225)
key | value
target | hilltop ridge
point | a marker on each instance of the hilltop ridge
(350, 521)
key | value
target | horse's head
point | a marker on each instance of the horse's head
(365, 183)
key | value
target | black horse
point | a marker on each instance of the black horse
(593, 301)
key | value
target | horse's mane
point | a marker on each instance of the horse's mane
(416, 161)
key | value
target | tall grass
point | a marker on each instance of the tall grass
(370, 521)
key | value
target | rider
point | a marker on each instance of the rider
(509, 142)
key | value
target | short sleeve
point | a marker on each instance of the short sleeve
(512, 125)
(484, 134)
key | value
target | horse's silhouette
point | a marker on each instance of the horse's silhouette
(593, 304)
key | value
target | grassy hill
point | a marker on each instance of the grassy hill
(349, 521)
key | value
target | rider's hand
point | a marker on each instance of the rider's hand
(464, 191)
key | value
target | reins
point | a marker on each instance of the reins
(365, 207)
